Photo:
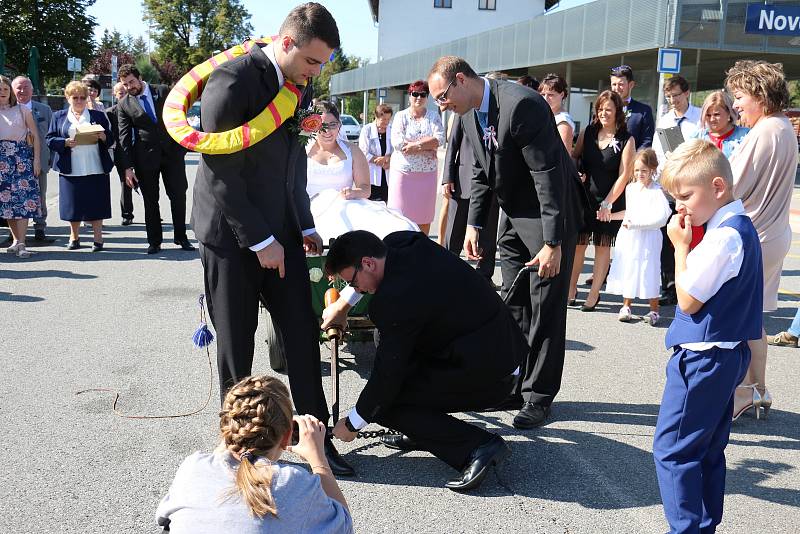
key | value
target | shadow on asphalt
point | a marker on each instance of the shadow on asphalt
(11, 297)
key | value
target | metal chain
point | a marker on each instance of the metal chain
(372, 434)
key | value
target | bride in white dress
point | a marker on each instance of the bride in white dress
(338, 184)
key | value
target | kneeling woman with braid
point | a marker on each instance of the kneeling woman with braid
(242, 488)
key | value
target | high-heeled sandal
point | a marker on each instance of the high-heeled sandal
(766, 402)
(755, 402)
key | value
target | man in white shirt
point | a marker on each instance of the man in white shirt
(23, 89)
(681, 113)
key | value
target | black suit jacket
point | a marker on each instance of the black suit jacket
(241, 199)
(145, 144)
(641, 124)
(530, 171)
(413, 310)
(119, 158)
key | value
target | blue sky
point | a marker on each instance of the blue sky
(358, 34)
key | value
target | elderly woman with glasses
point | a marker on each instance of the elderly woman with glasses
(83, 164)
(416, 134)
(718, 123)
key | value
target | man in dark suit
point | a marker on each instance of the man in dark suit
(126, 193)
(23, 89)
(148, 151)
(639, 116)
(456, 185)
(430, 361)
(252, 214)
(519, 156)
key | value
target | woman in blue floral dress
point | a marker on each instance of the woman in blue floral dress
(20, 199)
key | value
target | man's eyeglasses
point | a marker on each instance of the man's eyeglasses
(672, 96)
(78, 97)
(442, 97)
(419, 94)
(352, 281)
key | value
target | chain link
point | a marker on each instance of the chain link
(372, 434)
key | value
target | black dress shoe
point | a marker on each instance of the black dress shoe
(154, 249)
(184, 244)
(339, 466)
(531, 416)
(74, 245)
(400, 442)
(40, 237)
(490, 453)
(97, 247)
(127, 221)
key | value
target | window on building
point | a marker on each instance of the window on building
(549, 4)
(491, 5)
(442, 3)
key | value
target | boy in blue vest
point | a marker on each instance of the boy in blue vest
(719, 289)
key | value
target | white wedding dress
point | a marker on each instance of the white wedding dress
(333, 215)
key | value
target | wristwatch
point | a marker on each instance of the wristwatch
(605, 205)
(553, 243)
(349, 425)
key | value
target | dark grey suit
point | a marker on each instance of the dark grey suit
(126, 193)
(458, 171)
(150, 151)
(240, 200)
(537, 187)
(42, 115)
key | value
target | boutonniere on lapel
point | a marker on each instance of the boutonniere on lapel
(615, 145)
(305, 125)
(490, 137)
(627, 113)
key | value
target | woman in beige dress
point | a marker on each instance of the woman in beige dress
(764, 168)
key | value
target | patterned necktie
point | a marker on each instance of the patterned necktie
(147, 108)
(483, 119)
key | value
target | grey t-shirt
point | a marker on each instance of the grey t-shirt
(200, 501)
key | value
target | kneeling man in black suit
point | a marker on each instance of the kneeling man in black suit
(430, 361)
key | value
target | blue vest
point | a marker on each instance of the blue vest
(734, 313)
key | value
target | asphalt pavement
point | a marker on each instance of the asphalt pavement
(122, 320)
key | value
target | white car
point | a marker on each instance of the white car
(351, 129)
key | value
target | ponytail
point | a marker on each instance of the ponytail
(254, 484)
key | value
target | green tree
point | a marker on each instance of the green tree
(112, 40)
(59, 29)
(147, 69)
(188, 32)
(340, 63)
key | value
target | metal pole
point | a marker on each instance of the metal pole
(366, 107)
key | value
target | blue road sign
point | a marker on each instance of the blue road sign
(669, 60)
(772, 19)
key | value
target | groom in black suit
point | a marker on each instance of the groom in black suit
(519, 156)
(252, 214)
(147, 150)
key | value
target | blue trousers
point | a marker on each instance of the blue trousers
(795, 328)
(692, 431)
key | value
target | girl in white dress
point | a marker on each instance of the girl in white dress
(636, 270)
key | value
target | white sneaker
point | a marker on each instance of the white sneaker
(625, 314)
(651, 318)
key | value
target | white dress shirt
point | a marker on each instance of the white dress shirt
(85, 158)
(270, 53)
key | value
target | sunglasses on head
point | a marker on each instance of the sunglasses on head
(419, 94)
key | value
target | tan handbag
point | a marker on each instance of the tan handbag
(28, 135)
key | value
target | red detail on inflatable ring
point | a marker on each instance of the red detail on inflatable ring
(293, 88)
(198, 80)
(191, 140)
(246, 135)
(229, 54)
(214, 62)
(181, 90)
(175, 105)
(176, 124)
(275, 115)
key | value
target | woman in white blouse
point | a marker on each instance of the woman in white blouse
(83, 165)
(374, 142)
(416, 134)
(554, 90)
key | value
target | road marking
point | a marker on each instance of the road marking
(789, 293)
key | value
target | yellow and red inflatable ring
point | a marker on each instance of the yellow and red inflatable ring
(188, 90)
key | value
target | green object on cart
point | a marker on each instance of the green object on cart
(320, 284)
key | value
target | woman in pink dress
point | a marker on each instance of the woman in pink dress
(416, 134)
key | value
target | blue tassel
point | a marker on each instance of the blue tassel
(202, 336)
